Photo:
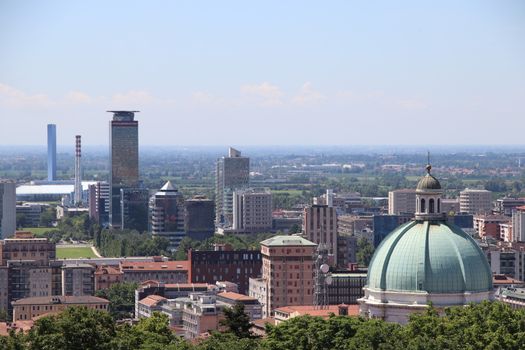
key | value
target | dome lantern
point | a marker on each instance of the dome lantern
(428, 198)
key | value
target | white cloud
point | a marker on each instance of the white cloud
(264, 94)
(12, 97)
(132, 98)
(307, 95)
(78, 97)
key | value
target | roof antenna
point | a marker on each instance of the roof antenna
(428, 167)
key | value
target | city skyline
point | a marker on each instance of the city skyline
(341, 74)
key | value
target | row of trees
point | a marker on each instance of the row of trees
(489, 325)
(119, 243)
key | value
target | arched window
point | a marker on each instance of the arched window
(439, 206)
(423, 205)
(431, 205)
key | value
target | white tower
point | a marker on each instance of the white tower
(78, 176)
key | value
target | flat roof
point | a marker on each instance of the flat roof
(60, 299)
(58, 189)
(179, 265)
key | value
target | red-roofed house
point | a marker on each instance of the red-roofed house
(164, 271)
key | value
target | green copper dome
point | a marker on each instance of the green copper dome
(433, 257)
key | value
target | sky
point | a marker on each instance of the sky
(265, 72)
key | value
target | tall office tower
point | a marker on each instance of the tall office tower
(199, 216)
(287, 273)
(78, 173)
(166, 215)
(475, 201)
(252, 211)
(233, 173)
(402, 202)
(99, 202)
(320, 226)
(123, 159)
(51, 152)
(7, 208)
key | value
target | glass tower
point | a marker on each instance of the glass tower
(123, 160)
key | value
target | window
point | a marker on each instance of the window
(423, 207)
(431, 205)
(439, 206)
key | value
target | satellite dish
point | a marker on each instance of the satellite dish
(325, 268)
(328, 280)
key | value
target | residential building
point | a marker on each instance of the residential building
(51, 152)
(164, 271)
(506, 206)
(512, 296)
(287, 273)
(4, 288)
(252, 211)
(148, 305)
(225, 264)
(450, 206)
(346, 250)
(166, 215)
(288, 312)
(402, 202)
(252, 307)
(505, 231)
(7, 208)
(232, 173)
(518, 224)
(30, 308)
(201, 315)
(134, 208)
(106, 276)
(78, 279)
(25, 246)
(320, 226)
(199, 218)
(489, 225)
(473, 201)
(123, 160)
(353, 225)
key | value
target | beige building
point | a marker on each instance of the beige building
(162, 271)
(473, 201)
(518, 225)
(78, 279)
(320, 226)
(106, 276)
(201, 315)
(402, 202)
(287, 273)
(252, 210)
(24, 246)
(29, 308)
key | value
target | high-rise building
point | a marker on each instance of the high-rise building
(233, 173)
(320, 226)
(123, 159)
(474, 201)
(287, 273)
(7, 208)
(134, 208)
(199, 216)
(98, 198)
(51, 152)
(252, 211)
(166, 214)
(518, 224)
(402, 202)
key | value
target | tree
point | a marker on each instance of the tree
(47, 217)
(21, 220)
(365, 251)
(295, 229)
(74, 328)
(121, 298)
(237, 321)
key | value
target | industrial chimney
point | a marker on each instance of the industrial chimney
(78, 179)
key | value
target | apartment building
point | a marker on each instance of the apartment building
(29, 308)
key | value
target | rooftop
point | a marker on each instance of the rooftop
(181, 265)
(300, 310)
(235, 296)
(152, 300)
(60, 299)
(284, 241)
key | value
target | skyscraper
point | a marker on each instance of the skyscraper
(78, 172)
(51, 152)
(123, 159)
(166, 209)
(233, 173)
(7, 208)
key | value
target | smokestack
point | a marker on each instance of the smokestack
(330, 198)
(78, 180)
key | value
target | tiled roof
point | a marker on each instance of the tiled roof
(152, 300)
(60, 299)
(353, 310)
(235, 296)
